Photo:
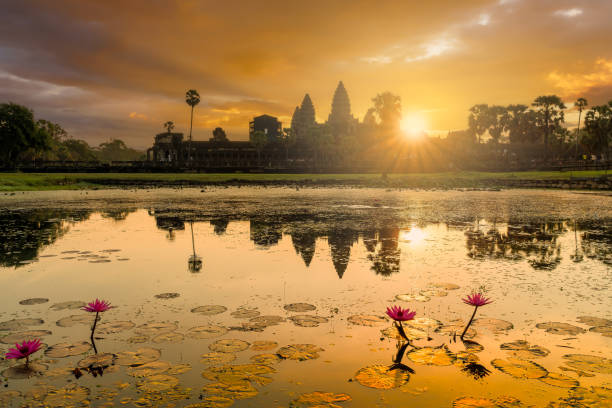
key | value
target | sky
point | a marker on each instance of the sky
(120, 69)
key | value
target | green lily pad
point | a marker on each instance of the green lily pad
(559, 380)
(155, 328)
(424, 323)
(97, 360)
(158, 383)
(381, 377)
(262, 345)
(307, 320)
(233, 374)
(168, 295)
(594, 321)
(299, 307)
(138, 357)
(267, 320)
(25, 335)
(481, 402)
(245, 313)
(234, 391)
(61, 350)
(69, 396)
(229, 345)
(33, 301)
(439, 356)
(209, 310)
(71, 304)
(367, 320)
(70, 321)
(169, 337)
(20, 324)
(413, 297)
(519, 368)
(266, 359)
(564, 329)
(300, 352)
(587, 362)
(411, 333)
(21, 372)
(579, 397)
(217, 358)
(319, 400)
(524, 351)
(148, 369)
(114, 327)
(493, 325)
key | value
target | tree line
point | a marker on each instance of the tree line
(24, 139)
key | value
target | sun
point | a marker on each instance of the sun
(413, 125)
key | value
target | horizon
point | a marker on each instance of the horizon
(104, 74)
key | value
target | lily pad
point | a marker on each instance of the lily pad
(179, 369)
(559, 380)
(445, 285)
(7, 397)
(156, 328)
(266, 359)
(456, 330)
(138, 357)
(564, 329)
(494, 325)
(603, 330)
(25, 335)
(71, 304)
(217, 358)
(433, 293)
(20, 324)
(168, 295)
(61, 350)
(411, 333)
(307, 320)
(480, 402)
(299, 307)
(579, 397)
(412, 297)
(229, 345)
(245, 313)
(381, 377)
(267, 320)
(319, 400)
(33, 301)
(367, 320)
(21, 372)
(439, 356)
(594, 321)
(232, 374)
(97, 360)
(69, 321)
(300, 352)
(209, 310)
(261, 345)
(158, 383)
(170, 337)
(68, 396)
(114, 327)
(148, 369)
(589, 363)
(524, 351)
(234, 391)
(519, 368)
(425, 323)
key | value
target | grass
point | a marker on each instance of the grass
(71, 181)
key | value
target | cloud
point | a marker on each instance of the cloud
(594, 84)
(568, 13)
(434, 48)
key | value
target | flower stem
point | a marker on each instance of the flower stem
(27, 363)
(469, 323)
(401, 331)
(93, 329)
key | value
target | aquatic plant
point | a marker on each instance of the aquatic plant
(24, 350)
(476, 300)
(400, 315)
(98, 306)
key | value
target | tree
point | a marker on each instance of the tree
(580, 103)
(598, 124)
(116, 149)
(169, 126)
(258, 139)
(495, 121)
(192, 97)
(19, 133)
(550, 108)
(388, 108)
(219, 135)
(478, 121)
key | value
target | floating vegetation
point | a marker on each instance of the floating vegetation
(564, 329)
(299, 307)
(439, 356)
(235, 390)
(559, 380)
(61, 350)
(445, 285)
(493, 325)
(24, 335)
(138, 357)
(308, 320)
(20, 324)
(413, 297)
(7, 397)
(245, 313)
(157, 383)
(156, 328)
(262, 345)
(579, 397)
(209, 310)
(411, 333)
(319, 400)
(266, 359)
(603, 330)
(232, 374)
(138, 339)
(71, 304)
(170, 337)
(367, 320)
(229, 345)
(594, 321)
(524, 351)
(148, 369)
(456, 330)
(267, 320)
(22, 372)
(217, 358)
(425, 323)
(179, 369)
(481, 402)
(300, 352)
(169, 295)
(213, 402)
(74, 320)
(33, 301)
(97, 360)
(114, 327)
(69, 396)
(433, 293)
(381, 377)
(519, 368)
(587, 362)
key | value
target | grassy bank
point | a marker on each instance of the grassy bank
(69, 181)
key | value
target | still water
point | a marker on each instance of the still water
(288, 306)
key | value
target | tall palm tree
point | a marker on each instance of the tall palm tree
(580, 103)
(169, 126)
(551, 111)
(192, 97)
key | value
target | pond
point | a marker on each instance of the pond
(276, 297)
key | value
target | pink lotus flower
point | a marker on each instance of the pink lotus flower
(476, 299)
(24, 349)
(400, 315)
(97, 306)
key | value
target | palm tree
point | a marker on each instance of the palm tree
(192, 97)
(580, 103)
(169, 126)
(551, 111)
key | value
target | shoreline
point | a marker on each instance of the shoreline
(583, 180)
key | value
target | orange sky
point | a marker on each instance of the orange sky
(120, 69)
